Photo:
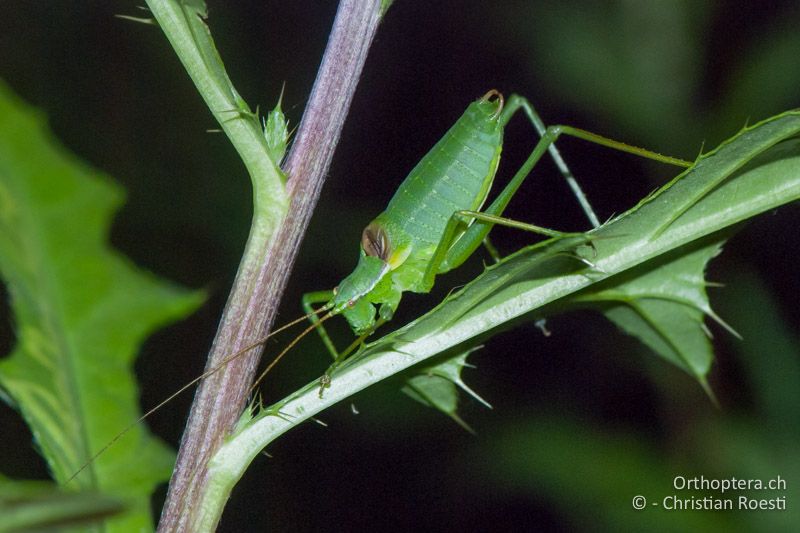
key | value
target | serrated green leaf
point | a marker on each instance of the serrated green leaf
(437, 386)
(81, 310)
(435, 392)
(664, 305)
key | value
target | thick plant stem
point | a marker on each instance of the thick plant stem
(267, 262)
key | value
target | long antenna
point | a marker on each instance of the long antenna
(278, 357)
(188, 385)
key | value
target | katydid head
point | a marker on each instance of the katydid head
(351, 296)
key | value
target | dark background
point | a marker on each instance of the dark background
(582, 420)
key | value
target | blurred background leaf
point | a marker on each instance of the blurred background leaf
(31, 506)
(80, 310)
(669, 76)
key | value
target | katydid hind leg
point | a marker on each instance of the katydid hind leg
(474, 235)
(464, 246)
(517, 102)
(487, 218)
(452, 252)
(459, 218)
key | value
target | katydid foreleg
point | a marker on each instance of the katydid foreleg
(311, 298)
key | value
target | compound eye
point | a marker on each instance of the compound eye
(375, 242)
(335, 290)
